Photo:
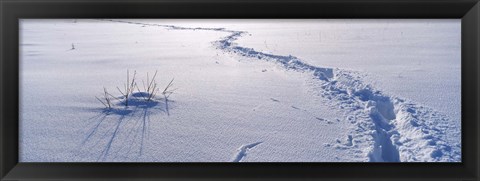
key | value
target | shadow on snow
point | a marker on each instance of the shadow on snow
(133, 119)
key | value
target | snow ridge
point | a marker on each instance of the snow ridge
(387, 128)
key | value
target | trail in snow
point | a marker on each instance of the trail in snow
(392, 129)
(242, 151)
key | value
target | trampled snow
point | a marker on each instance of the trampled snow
(244, 90)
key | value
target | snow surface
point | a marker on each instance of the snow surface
(245, 90)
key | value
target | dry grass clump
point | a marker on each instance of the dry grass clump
(128, 94)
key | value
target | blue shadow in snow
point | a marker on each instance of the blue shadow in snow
(137, 113)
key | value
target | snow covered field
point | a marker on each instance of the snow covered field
(243, 90)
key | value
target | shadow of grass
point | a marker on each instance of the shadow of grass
(120, 131)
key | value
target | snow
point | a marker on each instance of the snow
(245, 90)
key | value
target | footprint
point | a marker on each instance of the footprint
(242, 151)
(320, 119)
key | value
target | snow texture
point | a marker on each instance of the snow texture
(279, 108)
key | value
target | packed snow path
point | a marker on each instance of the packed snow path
(387, 128)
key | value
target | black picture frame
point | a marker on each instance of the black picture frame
(12, 10)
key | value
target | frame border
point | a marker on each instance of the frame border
(12, 10)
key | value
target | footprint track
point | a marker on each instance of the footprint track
(243, 150)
